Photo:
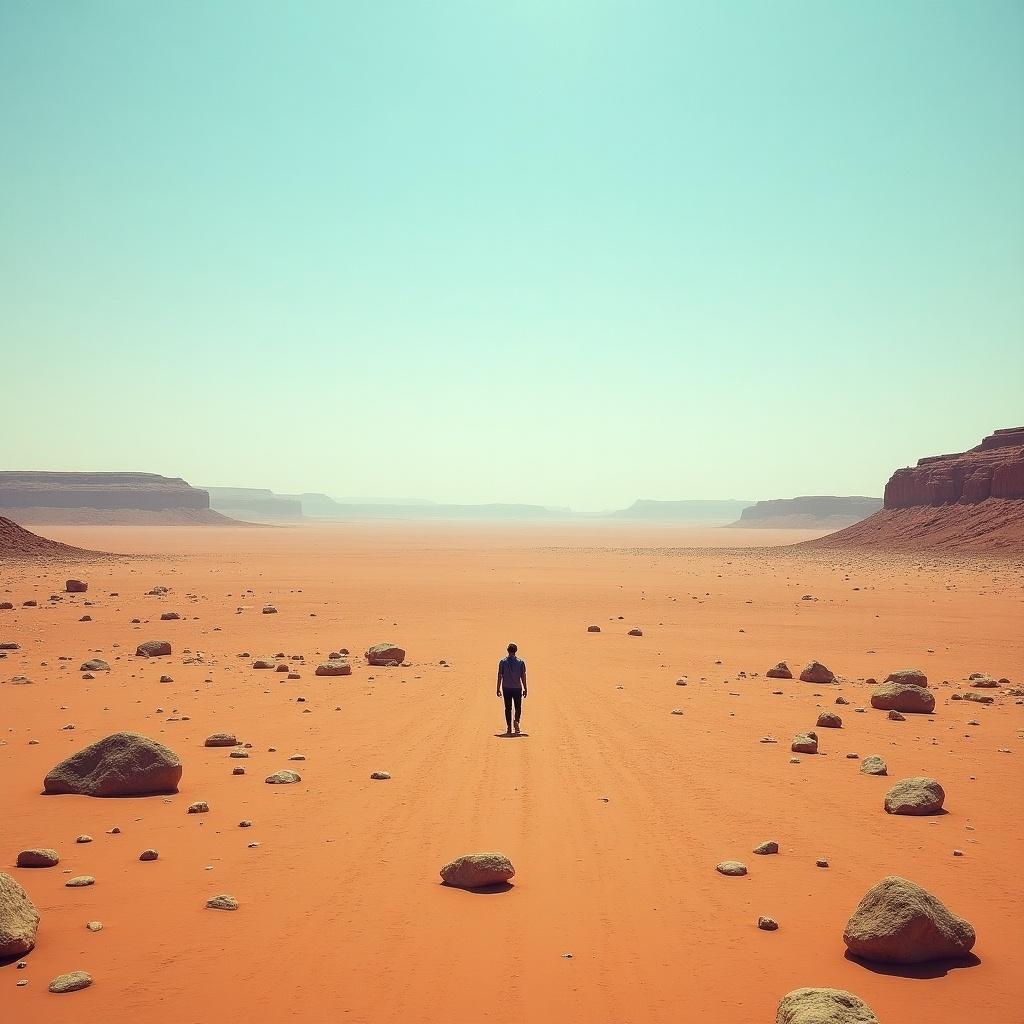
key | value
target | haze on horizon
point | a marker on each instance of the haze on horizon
(568, 253)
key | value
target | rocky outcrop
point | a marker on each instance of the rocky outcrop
(17, 543)
(811, 512)
(971, 502)
(38, 497)
(122, 764)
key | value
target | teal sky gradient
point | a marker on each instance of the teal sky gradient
(567, 252)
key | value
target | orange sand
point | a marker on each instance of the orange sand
(342, 915)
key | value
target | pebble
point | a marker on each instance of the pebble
(767, 924)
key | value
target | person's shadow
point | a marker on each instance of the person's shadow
(511, 736)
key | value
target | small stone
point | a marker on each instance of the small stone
(593, 629)
(770, 846)
(821, 863)
(805, 743)
(829, 720)
(84, 839)
(149, 855)
(199, 807)
(79, 882)
(380, 775)
(283, 778)
(873, 765)
(94, 926)
(222, 902)
(895, 716)
(958, 853)
(636, 632)
(767, 924)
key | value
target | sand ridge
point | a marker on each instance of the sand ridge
(613, 810)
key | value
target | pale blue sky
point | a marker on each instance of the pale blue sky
(564, 252)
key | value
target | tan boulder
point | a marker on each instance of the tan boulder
(815, 672)
(121, 764)
(903, 697)
(19, 918)
(907, 676)
(915, 796)
(898, 922)
(823, 1006)
(477, 870)
(384, 655)
(805, 743)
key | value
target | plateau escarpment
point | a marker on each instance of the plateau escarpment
(102, 498)
(810, 512)
(967, 502)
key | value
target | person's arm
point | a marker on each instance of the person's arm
(524, 679)
(498, 689)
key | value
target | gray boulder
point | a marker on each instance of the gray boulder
(915, 796)
(873, 765)
(898, 922)
(384, 655)
(74, 981)
(19, 918)
(815, 672)
(477, 870)
(94, 665)
(908, 677)
(823, 1006)
(121, 764)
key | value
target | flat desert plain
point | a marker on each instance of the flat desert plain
(613, 809)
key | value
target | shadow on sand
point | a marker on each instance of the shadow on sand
(511, 736)
(484, 890)
(920, 972)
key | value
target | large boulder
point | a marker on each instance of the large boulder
(915, 796)
(221, 739)
(903, 697)
(76, 586)
(815, 672)
(823, 1006)
(779, 671)
(384, 655)
(153, 649)
(898, 922)
(829, 720)
(122, 764)
(19, 918)
(908, 676)
(476, 870)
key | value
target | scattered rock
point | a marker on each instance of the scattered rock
(823, 1006)
(829, 720)
(915, 796)
(903, 697)
(898, 922)
(593, 629)
(169, 616)
(121, 764)
(221, 739)
(283, 778)
(767, 924)
(76, 587)
(380, 775)
(80, 882)
(821, 862)
(635, 632)
(385, 655)
(770, 846)
(19, 918)
(908, 677)
(149, 855)
(334, 668)
(983, 682)
(873, 765)
(805, 743)
(94, 665)
(269, 609)
(978, 698)
(731, 867)
(75, 981)
(895, 716)
(199, 807)
(38, 858)
(94, 926)
(815, 672)
(153, 649)
(222, 902)
(477, 870)
(779, 671)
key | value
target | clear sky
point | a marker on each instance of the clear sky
(562, 251)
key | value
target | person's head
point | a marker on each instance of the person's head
(512, 650)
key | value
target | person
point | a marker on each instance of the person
(512, 684)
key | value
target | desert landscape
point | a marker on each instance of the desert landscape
(661, 742)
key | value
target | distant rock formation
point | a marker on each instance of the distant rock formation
(258, 501)
(695, 511)
(811, 512)
(972, 502)
(18, 543)
(102, 498)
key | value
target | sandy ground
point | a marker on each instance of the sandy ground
(613, 810)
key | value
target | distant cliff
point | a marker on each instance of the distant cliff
(101, 498)
(257, 501)
(971, 502)
(811, 512)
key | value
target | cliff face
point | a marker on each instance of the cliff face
(260, 501)
(99, 491)
(812, 512)
(994, 469)
(968, 503)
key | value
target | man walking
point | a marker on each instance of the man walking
(512, 683)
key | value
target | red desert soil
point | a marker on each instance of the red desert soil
(613, 810)
(18, 543)
(971, 502)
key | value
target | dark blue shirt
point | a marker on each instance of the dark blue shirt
(512, 670)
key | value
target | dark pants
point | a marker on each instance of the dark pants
(512, 697)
